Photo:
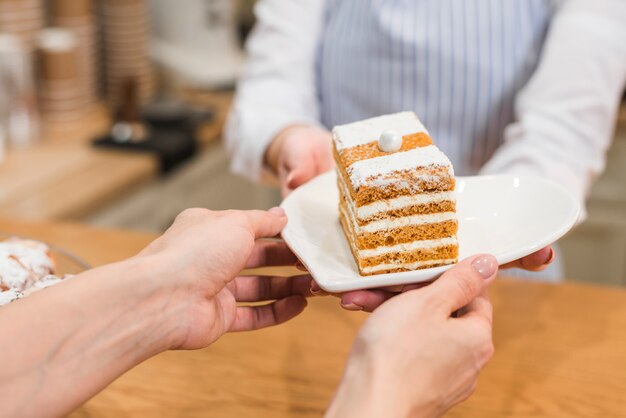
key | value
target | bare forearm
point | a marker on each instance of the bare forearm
(63, 345)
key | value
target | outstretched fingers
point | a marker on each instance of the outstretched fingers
(248, 318)
(271, 253)
(369, 300)
(261, 288)
(536, 261)
(266, 224)
(365, 300)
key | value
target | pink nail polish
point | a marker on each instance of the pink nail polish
(352, 307)
(485, 265)
(278, 211)
(318, 292)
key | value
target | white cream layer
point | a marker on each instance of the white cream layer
(364, 171)
(381, 206)
(369, 130)
(388, 224)
(396, 248)
(395, 223)
(408, 266)
(408, 247)
(364, 212)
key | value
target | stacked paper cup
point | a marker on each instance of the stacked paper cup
(23, 18)
(61, 94)
(125, 33)
(19, 121)
(77, 16)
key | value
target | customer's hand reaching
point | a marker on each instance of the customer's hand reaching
(203, 252)
(413, 357)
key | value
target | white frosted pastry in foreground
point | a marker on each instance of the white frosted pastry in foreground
(26, 266)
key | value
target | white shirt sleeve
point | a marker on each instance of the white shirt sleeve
(566, 113)
(277, 87)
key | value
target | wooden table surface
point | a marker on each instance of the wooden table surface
(63, 177)
(560, 352)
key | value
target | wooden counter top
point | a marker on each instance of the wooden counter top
(560, 352)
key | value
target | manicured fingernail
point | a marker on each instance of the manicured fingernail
(485, 265)
(352, 307)
(318, 292)
(551, 257)
(278, 211)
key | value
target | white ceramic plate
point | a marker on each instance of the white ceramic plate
(507, 216)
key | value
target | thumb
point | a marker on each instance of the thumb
(464, 282)
(300, 172)
(266, 224)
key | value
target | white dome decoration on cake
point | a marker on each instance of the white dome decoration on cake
(390, 141)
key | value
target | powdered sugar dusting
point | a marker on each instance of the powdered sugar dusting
(26, 266)
(375, 170)
(43, 283)
(368, 130)
(9, 296)
(32, 255)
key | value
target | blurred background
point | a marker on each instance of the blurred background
(111, 113)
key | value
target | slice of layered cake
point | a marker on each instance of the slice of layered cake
(397, 204)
